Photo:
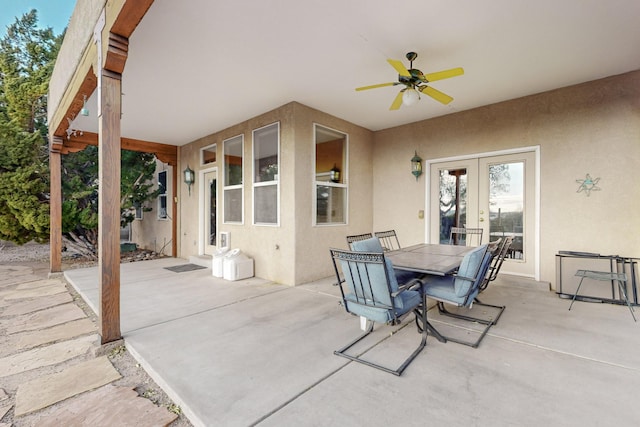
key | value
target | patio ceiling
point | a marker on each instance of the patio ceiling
(198, 67)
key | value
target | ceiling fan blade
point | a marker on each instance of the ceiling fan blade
(375, 86)
(400, 68)
(436, 94)
(432, 77)
(398, 101)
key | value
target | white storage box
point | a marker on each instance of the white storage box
(217, 263)
(237, 266)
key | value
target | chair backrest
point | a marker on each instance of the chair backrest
(465, 236)
(388, 240)
(369, 283)
(472, 271)
(372, 244)
(496, 262)
(358, 237)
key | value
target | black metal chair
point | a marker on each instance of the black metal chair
(369, 289)
(460, 290)
(357, 238)
(388, 240)
(463, 236)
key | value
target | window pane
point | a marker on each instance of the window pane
(162, 207)
(265, 151)
(453, 201)
(209, 154)
(233, 205)
(162, 182)
(506, 204)
(330, 203)
(266, 204)
(330, 154)
(233, 161)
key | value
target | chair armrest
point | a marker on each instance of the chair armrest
(406, 286)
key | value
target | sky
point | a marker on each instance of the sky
(51, 13)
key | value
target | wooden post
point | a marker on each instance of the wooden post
(109, 204)
(55, 211)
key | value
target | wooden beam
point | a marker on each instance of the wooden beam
(130, 16)
(109, 207)
(55, 212)
(164, 152)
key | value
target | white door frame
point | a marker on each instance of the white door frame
(535, 149)
(201, 205)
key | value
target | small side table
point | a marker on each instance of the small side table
(604, 276)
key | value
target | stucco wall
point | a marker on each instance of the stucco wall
(295, 251)
(78, 35)
(589, 128)
(151, 232)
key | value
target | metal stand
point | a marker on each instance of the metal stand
(605, 276)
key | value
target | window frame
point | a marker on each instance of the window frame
(344, 178)
(275, 182)
(208, 148)
(226, 187)
(163, 196)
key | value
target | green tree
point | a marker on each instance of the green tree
(27, 56)
(80, 193)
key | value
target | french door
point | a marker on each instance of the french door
(497, 193)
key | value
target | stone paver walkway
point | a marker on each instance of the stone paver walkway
(49, 371)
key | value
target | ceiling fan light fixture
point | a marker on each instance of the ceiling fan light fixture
(410, 97)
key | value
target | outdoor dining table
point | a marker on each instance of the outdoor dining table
(429, 258)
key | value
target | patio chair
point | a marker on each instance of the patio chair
(357, 238)
(369, 289)
(460, 290)
(463, 236)
(388, 240)
(373, 244)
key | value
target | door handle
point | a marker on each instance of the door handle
(481, 220)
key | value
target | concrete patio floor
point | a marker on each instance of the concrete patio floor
(253, 352)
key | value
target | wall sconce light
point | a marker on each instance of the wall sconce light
(334, 174)
(85, 110)
(189, 177)
(416, 165)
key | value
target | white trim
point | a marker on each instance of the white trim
(201, 206)
(535, 149)
(202, 163)
(232, 187)
(275, 182)
(315, 182)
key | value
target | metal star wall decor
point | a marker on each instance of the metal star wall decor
(588, 185)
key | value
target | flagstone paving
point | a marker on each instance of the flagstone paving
(27, 340)
(47, 390)
(36, 304)
(49, 368)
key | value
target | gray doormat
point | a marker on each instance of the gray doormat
(185, 267)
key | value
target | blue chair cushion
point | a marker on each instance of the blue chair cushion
(368, 245)
(409, 300)
(468, 268)
(443, 288)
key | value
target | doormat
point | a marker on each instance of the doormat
(184, 267)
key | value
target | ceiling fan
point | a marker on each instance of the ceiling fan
(415, 82)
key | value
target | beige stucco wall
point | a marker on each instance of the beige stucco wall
(295, 251)
(589, 128)
(151, 232)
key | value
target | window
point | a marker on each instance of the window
(266, 163)
(138, 211)
(208, 154)
(233, 189)
(331, 190)
(162, 195)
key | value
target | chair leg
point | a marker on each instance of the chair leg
(403, 366)
(488, 324)
(624, 294)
